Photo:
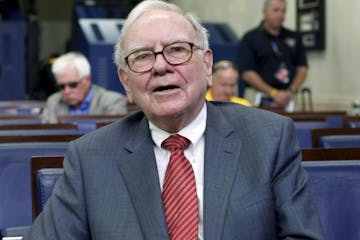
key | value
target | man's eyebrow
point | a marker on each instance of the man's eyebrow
(168, 42)
(142, 48)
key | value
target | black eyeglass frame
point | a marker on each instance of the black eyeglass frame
(154, 54)
(71, 85)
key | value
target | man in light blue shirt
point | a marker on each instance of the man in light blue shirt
(77, 95)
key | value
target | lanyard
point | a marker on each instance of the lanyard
(277, 51)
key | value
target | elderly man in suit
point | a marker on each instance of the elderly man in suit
(182, 168)
(77, 95)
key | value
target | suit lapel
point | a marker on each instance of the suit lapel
(141, 177)
(222, 151)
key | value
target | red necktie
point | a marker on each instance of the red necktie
(179, 192)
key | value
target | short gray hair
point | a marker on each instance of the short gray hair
(267, 2)
(71, 60)
(222, 65)
(149, 5)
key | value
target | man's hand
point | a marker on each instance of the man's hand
(282, 98)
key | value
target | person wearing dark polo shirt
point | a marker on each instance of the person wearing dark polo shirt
(272, 59)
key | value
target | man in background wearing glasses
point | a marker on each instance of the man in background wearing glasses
(77, 95)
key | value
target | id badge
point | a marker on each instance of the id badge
(282, 74)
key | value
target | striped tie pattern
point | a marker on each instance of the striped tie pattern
(179, 192)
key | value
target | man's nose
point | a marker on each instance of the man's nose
(160, 64)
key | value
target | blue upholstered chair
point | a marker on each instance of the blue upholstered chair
(15, 180)
(42, 182)
(27, 132)
(8, 120)
(334, 119)
(335, 186)
(87, 123)
(13, 233)
(45, 181)
(339, 141)
(303, 131)
(335, 137)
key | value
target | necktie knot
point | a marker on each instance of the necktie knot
(175, 142)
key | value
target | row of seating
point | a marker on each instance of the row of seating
(306, 123)
(18, 212)
(333, 184)
(15, 180)
(19, 142)
(318, 129)
(34, 108)
(308, 127)
(84, 123)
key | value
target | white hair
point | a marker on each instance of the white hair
(71, 60)
(149, 5)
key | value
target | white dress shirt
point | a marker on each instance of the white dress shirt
(194, 153)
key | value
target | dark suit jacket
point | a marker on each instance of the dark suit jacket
(254, 189)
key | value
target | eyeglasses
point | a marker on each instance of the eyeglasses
(69, 84)
(174, 53)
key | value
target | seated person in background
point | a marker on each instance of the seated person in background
(224, 79)
(77, 95)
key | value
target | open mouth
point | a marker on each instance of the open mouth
(165, 88)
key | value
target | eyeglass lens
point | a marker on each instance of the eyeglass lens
(70, 85)
(175, 53)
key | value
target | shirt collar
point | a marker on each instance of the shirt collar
(193, 131)
(281, 34)
(85, 105)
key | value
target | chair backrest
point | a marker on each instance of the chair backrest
(339, 141)
(100, 124)
(15, 180)
(39, 138)
(333, 118)
(335, 187)
(21, 108)
(45, 182)
(87, 123)
(45, 171)
(38, 132)
(38, 129)
(352, 121)
(42, 126)
(326, 154)
(317, 134)
(303, 131)
(26, 119)
(14, 233)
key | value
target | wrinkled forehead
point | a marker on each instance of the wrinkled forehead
(158, 27)
(228, 72)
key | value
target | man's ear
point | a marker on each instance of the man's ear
(123, 76)
(208, 59)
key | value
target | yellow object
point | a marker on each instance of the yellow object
(273, 92)
(233, 99)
